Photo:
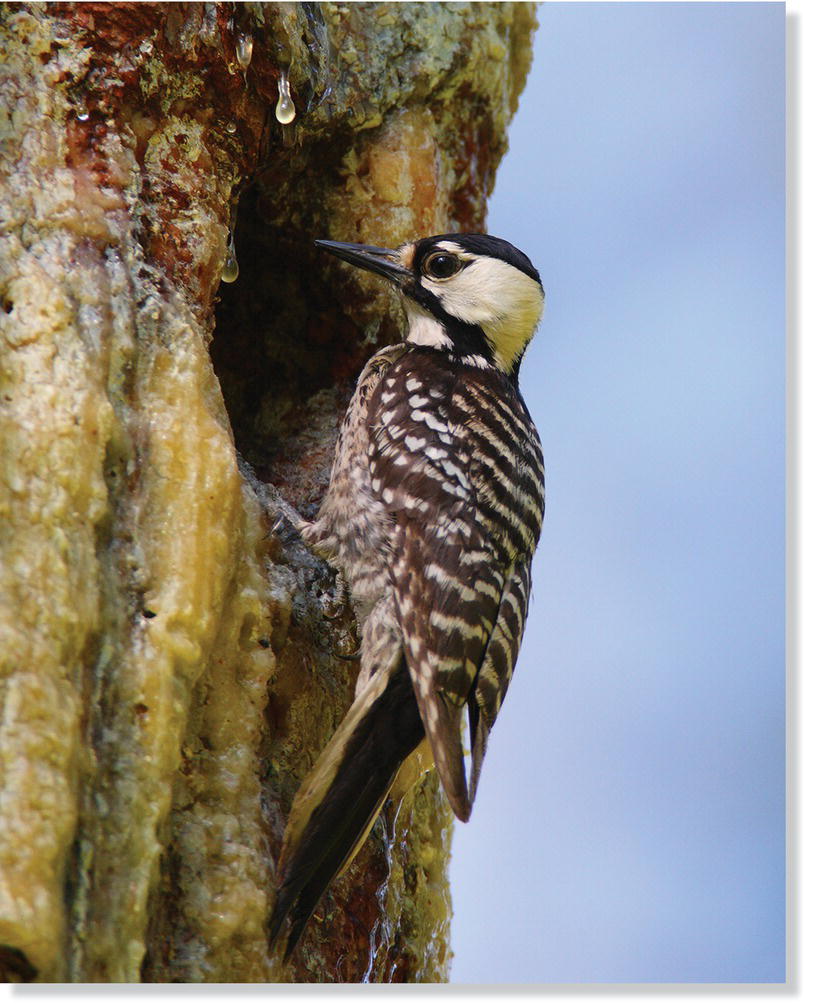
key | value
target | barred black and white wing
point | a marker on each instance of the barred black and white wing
(455, 458)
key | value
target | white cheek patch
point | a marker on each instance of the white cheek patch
(506, 304)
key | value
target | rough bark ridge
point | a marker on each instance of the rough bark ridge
(169, 668)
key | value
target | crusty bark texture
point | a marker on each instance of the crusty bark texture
(170, 666)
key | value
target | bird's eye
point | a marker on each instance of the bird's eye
(441, 266)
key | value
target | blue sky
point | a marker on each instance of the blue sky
(629, 825)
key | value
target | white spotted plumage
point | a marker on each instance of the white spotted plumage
(432, 514)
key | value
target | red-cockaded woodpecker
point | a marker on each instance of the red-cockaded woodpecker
(433, 513)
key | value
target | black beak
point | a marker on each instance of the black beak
(382, 261)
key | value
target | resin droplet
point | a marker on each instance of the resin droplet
(243, 50)
(285, 110)
(231, 269)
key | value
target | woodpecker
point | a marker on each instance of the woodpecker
(432, 514)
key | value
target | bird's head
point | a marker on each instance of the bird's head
(472, 295)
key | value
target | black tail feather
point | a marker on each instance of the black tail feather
(360, 765)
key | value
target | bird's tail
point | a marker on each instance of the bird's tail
(337, 804)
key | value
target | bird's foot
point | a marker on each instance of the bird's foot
(335, 602)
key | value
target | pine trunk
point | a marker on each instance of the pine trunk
(169, 666)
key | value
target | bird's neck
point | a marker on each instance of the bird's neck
(460, 340)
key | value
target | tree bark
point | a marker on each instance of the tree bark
(171, 667)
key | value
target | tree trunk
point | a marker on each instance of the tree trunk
(170, 666)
